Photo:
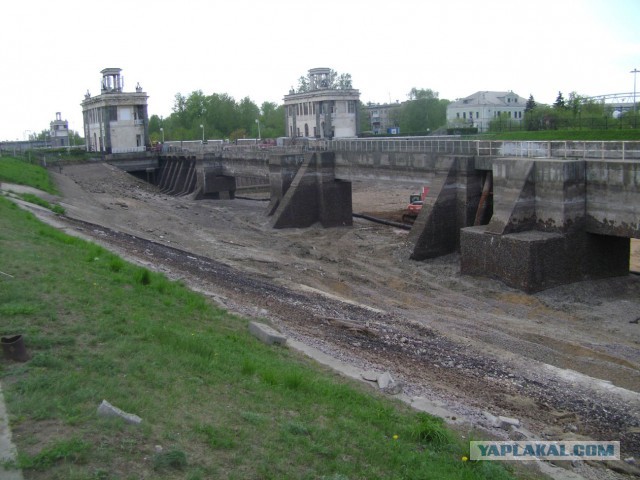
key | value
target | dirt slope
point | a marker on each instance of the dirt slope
(566, 362)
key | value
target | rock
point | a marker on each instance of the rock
(506, 422)
(105, 409)
(370, 376)
(266, 334)
(631, 461)
(393, 388)
(387, 384)
(492, 420)
(384, 380)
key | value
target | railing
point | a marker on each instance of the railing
(626, 150)
(129, 149)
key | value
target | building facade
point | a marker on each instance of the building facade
(116, 121)
(481, 108)
(322, 110)
(384, 118)
(59, 132)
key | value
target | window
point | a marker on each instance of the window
(351, 106)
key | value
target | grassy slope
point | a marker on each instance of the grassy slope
(568, 135)
(17, 171)
(221, 404)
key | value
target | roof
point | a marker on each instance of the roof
(491, 98)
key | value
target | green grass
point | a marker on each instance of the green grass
(31, 198)
(13, 170)
(567, 135)
(219, 403)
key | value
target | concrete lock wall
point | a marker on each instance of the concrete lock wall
(537, 238)
(613, 198)
(304, 191)
(555, 220)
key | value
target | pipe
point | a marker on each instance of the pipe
(403, 226)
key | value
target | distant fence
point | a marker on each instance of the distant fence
(606, 122)
(548, 149)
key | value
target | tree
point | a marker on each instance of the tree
(344, 82)
(303, 84)
(423, 113)
(531, 104)
(335, 81)
(559, 103)
(272, 120)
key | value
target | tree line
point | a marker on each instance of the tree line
(217, 116)
(577, 111)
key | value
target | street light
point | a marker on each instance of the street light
(162, 131)
(634, 71)
(258, 122)
(202, 127)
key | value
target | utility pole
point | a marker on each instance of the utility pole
(634, 71)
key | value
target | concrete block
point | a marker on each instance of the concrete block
(266, 334)
(533, 261)
(105, 409)
(506, 422)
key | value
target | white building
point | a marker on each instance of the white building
(116, 121)
(322, 110)
(59, 132)
(481, 108)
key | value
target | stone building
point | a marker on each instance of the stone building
(481, 108)
(384, 118)
(322, 109)
(116, 121)
(59, 132)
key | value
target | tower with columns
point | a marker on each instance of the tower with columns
(116, 121)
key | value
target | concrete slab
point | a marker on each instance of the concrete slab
(266, 334)
(8, 450)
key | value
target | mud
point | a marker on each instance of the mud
(566, 361)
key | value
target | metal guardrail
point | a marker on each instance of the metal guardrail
(601, 150)
(624, 150)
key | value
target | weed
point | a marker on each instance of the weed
(72, 451)
(431, 430)
(217, 438)
(248, 367)
(175, 459)
(116, 264)
(143, 276)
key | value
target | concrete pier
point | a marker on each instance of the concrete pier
(560, 211)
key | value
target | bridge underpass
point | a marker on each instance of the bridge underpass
(563, 211)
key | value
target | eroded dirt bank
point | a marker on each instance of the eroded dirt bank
(566, 362)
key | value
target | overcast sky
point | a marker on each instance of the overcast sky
(52, 52)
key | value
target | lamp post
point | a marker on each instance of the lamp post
(634, 71)
(162, 131)
(258, 122)
(202, 127)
